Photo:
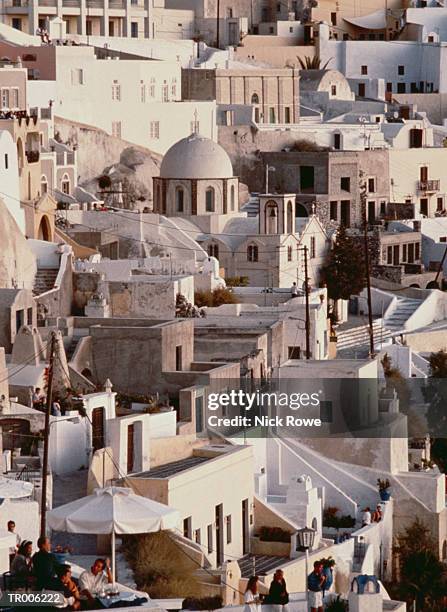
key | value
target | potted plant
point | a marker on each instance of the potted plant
(384, 486)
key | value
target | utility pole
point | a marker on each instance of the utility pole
(43, 502)
(306, 289)
(367, 264)
(218, 25)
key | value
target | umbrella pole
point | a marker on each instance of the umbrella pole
(113, 557)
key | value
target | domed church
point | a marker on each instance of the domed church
(196, 178)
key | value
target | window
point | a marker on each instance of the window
(401, 70)
(252, 252)
(371, 185)
(417, 251)
(209, 199)
(307, 177)
(116, 129)
(14, 97)
(134, 29)
(232, 197)
(416, 138)
(404, 253)
(337, 141)
(361, 90)
(389, 87)
(178, 358)
(439, 203)
(179, 199)
(29, 316)
(142, 91)
(291, 30)
(312, 247)
(228, 522)
(443, 239)
(389, 255)
(424, 207)
(272, 115)
(198, 536)
(187, 527)
(116, 91)
(209, 530)
(213, 250)
(16, 23)
(154, 130)
(383, 207)
(165, 92)
(289, 253)
(326, 411)
(294, 352)
(5, 98)
(255, 99)
(195, 127)
(333, 211)
(411, 253)
(364, 70)
(345, 213)
(401, 88)
(334, 19)
(174, 87)
(413, 87)
(6, 161)
(287, 114)
(271, 30)
(423, 174)
(333, 90)
(230, 13)
(43, 184)
(345, 183)
(20, 316)
(152, 87)
(65, 184)
(77, 76)
(88, 27)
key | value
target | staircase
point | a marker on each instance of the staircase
(353, 343)
(251, 207)
(404, 309)
(44, 280)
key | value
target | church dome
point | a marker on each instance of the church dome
(196, 157)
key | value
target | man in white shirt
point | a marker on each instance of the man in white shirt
(94, 581)
(366, 517)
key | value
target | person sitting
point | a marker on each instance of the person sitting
(377, 516)
(366, 517)
(22, 564)
(294, 290)
(67, 586)
(45, 565)
(13, 549)
(94, 581)
(278, 595)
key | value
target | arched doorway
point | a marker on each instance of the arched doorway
(271, 218)
(301, 211)
(432, 285)
(290, 218)
(44, 232)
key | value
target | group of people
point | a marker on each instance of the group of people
(276, 596)
(318, 581)
(369, 517)
(39, 400)
(42, 570)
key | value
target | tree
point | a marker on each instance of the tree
(344, 273)
(435, 394)
(312, 63)
(422, 575)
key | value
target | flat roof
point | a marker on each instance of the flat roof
(170, 469)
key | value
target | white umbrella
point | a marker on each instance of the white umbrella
(114, 510)
(15, 489)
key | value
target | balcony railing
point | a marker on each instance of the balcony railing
(432, 185)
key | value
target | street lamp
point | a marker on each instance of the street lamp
(305, 541)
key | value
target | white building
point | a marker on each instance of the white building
(9, 178)
(132, 99)
(404, 66)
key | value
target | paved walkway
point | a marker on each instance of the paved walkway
(67, 488)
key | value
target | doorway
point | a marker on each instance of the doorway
(98, 429)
